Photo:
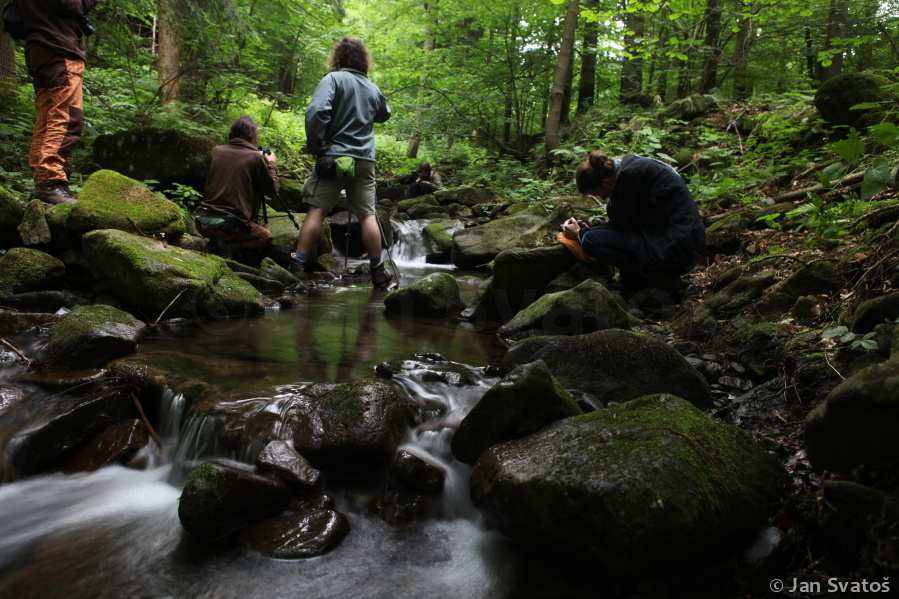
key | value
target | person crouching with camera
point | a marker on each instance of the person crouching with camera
(340, 134)
(240, 176)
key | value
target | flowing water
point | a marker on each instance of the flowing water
(115, 532)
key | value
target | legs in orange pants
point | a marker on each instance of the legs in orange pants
(60, 117)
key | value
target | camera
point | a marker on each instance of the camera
(265, 151)
(87, 28)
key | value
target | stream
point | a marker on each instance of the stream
(115, 532)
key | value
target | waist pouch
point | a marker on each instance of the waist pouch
(329, 167)
(225, 224)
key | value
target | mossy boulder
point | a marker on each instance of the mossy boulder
(349, 425)
(740, 293)
(858, 422)
(874, 311)
(165, 155)
(285, 235)
(34, 230)
(523, 402)
(468, 196)
(479, 245)
(220, 499)
(23, 269)
(836, 97)
(520, 277)
(426, 201)
(148, 275)
(110, 200)
(436, 295)
(12, 208)
(91, 336)
(587, 308)
(691, 107)
(614, 365)
(816, 278)
(641, 487)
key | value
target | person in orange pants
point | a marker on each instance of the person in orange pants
(55, 52)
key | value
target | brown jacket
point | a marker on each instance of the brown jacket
(53, 29)
(239, 178)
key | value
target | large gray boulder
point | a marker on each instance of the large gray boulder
(858, 422)
(476, 246)
(520, 277)
(526, 400)
(150, 277)
(92, 336)
(436, 295)
(614, 365)
(587, 308)
(644, 486)
(220, 499)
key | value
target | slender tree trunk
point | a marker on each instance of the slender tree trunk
(713, 51)
(563, 65)
(8, 77)
(868, 27)
(569, 85)
(429, 44)
(837, 27)
(810, 54)
(632, 70)
(587, 81)
(169, 50)
(745, 37)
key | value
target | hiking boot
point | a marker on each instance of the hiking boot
(299, 268)
(53, 192)
(380, 278)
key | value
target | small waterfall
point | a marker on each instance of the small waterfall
(410, 248)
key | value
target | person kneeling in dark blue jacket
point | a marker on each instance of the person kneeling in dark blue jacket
(654, 234)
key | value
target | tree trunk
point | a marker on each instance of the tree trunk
(837, 27)
(713, 51)
(745, 36)
(569, 84)
(8, 78)
(632, 70)
(563, 65)
(429, 44)
(810, 54)
(169, 50)
(868, 27)
(587, 82)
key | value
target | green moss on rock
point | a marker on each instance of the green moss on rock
(836, 97)
(148, 275)
(91, 336)
(12, 208)
(23, 269)
(434, 295)
(110, 200)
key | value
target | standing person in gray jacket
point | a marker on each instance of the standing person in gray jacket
(340, 134)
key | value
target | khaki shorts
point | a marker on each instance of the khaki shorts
(360, 190)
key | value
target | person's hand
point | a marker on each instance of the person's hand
(271, 158)
(571, 228)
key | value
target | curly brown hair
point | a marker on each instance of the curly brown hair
(350, 53)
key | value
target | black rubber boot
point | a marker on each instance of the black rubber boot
(53, 192)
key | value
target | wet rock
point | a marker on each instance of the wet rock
(587, 308)
(23, 269)
(92, 336)
(520, 277)
(219, 499)
(34, 230)
(9, 396)
(297, 536)
(273, 270)
(476, 246)
(640, 487)
(280, 459)
(614, 365)
(836, 97)
(349, 425)
(12, 209)
(435, 295)
(311, 502)
(43, 301)
(13, 322)
(440, 243)
(467, 196)
(192, 242)
(113, 201)
(871, 313)
(69, 424)
(399, 508)
(858, 422)
(115, 445)
(691, 107)
(148, 276)
(264, 285)
(285, 235)
(576, 275)
(416, 473)
(814, 279)
(740, 293)
(526, 400)
(165, 155)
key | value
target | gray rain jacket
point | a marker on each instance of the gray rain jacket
(340, 119)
